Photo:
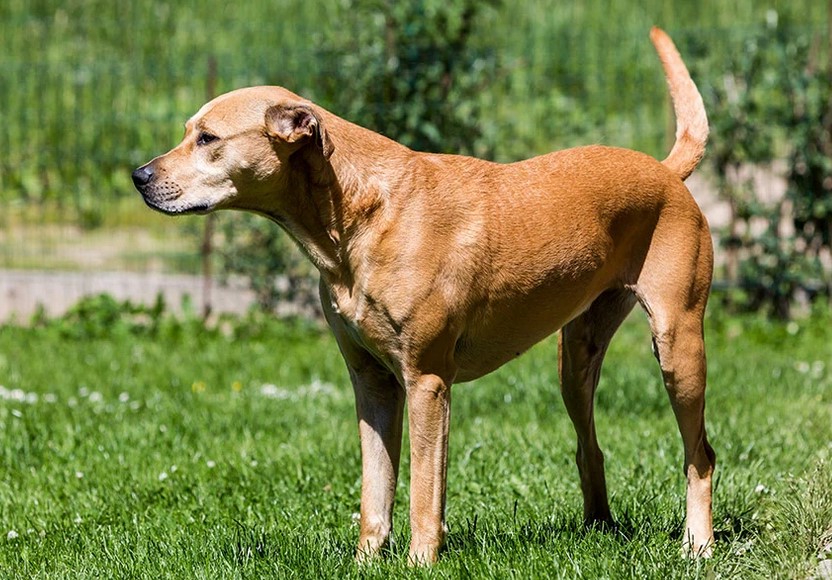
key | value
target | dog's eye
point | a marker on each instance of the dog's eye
(204, 138)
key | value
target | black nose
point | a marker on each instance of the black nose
(142, 176)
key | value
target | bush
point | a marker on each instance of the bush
(771, 101)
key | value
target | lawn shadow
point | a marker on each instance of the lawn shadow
(254, 548)
(555, 529)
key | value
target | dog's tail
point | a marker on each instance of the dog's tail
(691, 120)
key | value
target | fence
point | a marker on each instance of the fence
(91, 89)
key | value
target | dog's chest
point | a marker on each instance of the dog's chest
(371, 326)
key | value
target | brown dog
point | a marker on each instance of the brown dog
(438, 269)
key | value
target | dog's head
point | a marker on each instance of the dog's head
(238, 150)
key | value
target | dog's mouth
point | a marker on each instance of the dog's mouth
(169, 198)
(171, 207)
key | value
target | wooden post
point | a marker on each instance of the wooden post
(829, 109)
(207, 247)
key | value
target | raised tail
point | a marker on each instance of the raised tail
(691, 120)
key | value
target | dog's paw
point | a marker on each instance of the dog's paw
(695, 550)
(423, 555)
(369, 549)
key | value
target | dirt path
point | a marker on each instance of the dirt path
(21, 292)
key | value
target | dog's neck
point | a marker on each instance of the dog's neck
(335, 198)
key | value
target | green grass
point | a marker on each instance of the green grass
(150, 448)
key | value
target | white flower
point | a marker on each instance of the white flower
(163, 476)
(272, 391)
(79, 474)
(12, 535)
(761, 488)
(96, 397)
(743, 547)
(211, 464)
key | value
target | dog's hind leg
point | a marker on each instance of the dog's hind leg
(583, 343)
(674, 293)
(681, 352)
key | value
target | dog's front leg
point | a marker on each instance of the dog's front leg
(429, 414)
(379, 403)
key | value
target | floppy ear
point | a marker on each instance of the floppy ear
(297, 123)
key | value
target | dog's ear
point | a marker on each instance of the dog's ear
(297, 124)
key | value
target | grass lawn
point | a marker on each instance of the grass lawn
(149, 448)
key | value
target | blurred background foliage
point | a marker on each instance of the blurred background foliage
(90, 89)
(771, 105)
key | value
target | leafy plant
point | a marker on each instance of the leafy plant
(412, 70)
(771, 101)
(101, 316)
(808, 120)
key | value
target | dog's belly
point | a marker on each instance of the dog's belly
(479, 360)
(507, 332)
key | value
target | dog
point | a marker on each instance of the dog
(436, 269)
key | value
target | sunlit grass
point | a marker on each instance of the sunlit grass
(185, 452)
